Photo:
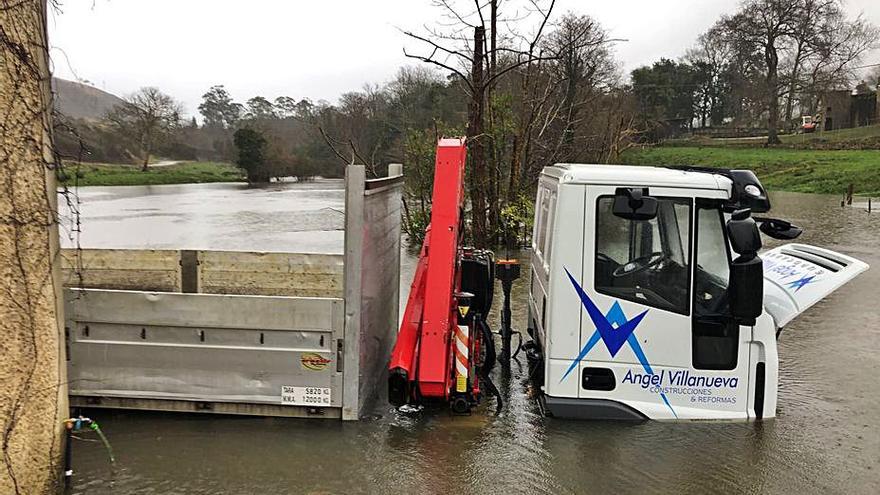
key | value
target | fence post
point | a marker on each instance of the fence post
(189, 272)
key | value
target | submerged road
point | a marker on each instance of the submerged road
(824, 439)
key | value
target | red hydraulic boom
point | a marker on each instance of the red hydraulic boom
(441, 353)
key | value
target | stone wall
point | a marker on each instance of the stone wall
(33, 396)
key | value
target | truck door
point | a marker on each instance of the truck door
(657, 335)
(636, 303)
(719, 345)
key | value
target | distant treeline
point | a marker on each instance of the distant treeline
(527, 86)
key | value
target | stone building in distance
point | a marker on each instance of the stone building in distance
(843, 109)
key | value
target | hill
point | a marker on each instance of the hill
(81, 101)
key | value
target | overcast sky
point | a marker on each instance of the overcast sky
(315, 49)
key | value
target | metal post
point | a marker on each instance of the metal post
(355, 180)
(189, 271)
(506, 271)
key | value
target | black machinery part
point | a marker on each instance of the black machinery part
(478, 278)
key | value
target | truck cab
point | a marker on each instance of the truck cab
(661, 312)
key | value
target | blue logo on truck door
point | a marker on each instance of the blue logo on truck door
(614, 329)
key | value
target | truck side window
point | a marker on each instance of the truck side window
(647, 262)
(715, 334)
(551, 222)
(539, 235)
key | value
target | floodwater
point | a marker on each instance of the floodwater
(824, 440)
(288, 217)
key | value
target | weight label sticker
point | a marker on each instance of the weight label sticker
(305, 396)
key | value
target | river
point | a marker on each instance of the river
(824, 440)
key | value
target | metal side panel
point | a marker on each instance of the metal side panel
(203, 347)
(372, 284)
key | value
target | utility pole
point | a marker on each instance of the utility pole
(33, 398)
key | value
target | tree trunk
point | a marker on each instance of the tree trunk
(33, 398)
(772, 59)
(792, 86)
(493, 175)
(476, 150)
(146, 163)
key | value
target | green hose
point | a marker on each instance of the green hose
(100, 433)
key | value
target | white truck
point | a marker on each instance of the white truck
(649, 299)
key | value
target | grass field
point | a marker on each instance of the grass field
(812, 171)
(101, 174)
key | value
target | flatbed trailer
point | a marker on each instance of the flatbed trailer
(269, 334)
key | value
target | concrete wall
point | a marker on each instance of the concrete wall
(864, 109)
(33, 395)
(836, 108)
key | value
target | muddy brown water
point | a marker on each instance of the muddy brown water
(826, 438)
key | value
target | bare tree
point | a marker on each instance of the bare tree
(831, 65)
(459, 46)
(147, 116)
(585, 69)
(768, 26)
(809, 31)
(807, 47)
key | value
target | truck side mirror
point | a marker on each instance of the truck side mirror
(746, 289)
(634, 204)
(747, 270)
(743, 232)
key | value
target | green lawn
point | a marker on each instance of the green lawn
(812, 171)
(838, 136)
(102, 174)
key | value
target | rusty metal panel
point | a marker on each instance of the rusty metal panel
(202, 347)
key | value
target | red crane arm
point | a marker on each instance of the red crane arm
(422, 356)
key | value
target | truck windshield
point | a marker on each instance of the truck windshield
(645, 261)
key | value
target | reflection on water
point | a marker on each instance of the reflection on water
(824, 440)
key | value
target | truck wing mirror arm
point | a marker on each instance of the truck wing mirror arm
(779, 229)
(634, 204)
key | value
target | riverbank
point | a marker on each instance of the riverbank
(104, 174)
(783, 169)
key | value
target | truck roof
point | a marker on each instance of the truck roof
(630, 175)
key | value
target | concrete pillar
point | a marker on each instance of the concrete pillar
(33, 395)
